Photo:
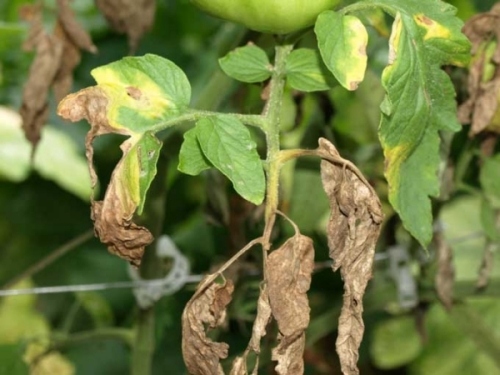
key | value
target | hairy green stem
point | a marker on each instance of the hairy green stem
(194, 115)
(272, 129)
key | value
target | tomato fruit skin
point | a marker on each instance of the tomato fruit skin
(268, 16)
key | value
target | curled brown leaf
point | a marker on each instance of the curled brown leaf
(132, 17)
(445, 276)
(353, 230)
(208, 309)
(112, 216)
(288, 276)
(35, 108)
(74, 31)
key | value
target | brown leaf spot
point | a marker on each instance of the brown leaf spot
(132, 17)
(202, 355)
(424, 19)
(134, 92)
(353, 230)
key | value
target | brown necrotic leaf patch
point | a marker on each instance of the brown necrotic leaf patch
(353, 230)
(288, 276)
(206, 310)
(132, 17)
(56, 56)
(481, 108)
(112, 216)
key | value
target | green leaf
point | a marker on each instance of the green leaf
(57, 157)
(489, 220)
(142, 91)
(191, 158)
(342, 42)
(419, 103)
(11, 360)
(490, 180)
(395, 342)
(138, 167)
(227, 144)
(305, 71)
(247, 64)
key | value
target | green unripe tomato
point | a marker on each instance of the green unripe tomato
(268, 16)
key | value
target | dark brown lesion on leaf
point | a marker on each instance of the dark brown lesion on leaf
(134, 92)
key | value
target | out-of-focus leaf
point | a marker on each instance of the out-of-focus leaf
(11, 360)
(208, 309)
(447, 334)
(308, 204)
(353, 230)
(305, 71)
(395, 342)
(97, 307)
(418, 104)
(133, 17)
(342, 42)
(47, 363)
(228, 145)
(490, 180)
(489, 220)
(191, 158)
(247, 64)
(11, 35)
(57, 157)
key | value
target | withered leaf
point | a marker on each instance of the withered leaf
(482, 105)
(289, 354)
(49, 49)
(239, 366)
(445, 276)
(112, 216)
(133, 17)
(202, 355)
(74, 31)
(288, 276)
(353, 230)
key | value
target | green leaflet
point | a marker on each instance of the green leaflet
(142, 91)
(418, 104)
(247, 64)
(136, 170)
(227, 144)
(342, 42)
(306, 72)
(191, 158)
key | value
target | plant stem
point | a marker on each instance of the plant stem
(151, 268)
(272, 113)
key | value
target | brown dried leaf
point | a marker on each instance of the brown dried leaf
(133, 17)
(289, 354)
(482, 104)
(288, 276)
(445, 276)
(487, 263)
(64, 77)
(74, 31)
(353, 230)
(49, 49)
(112, 216)
(239, 366)
(202, 355)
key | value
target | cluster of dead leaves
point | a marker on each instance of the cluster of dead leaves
(353, 230)
(57, 55)
(481, 109)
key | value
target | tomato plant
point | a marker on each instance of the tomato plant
(251, 164)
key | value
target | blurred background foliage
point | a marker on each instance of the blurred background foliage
(41, 208)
